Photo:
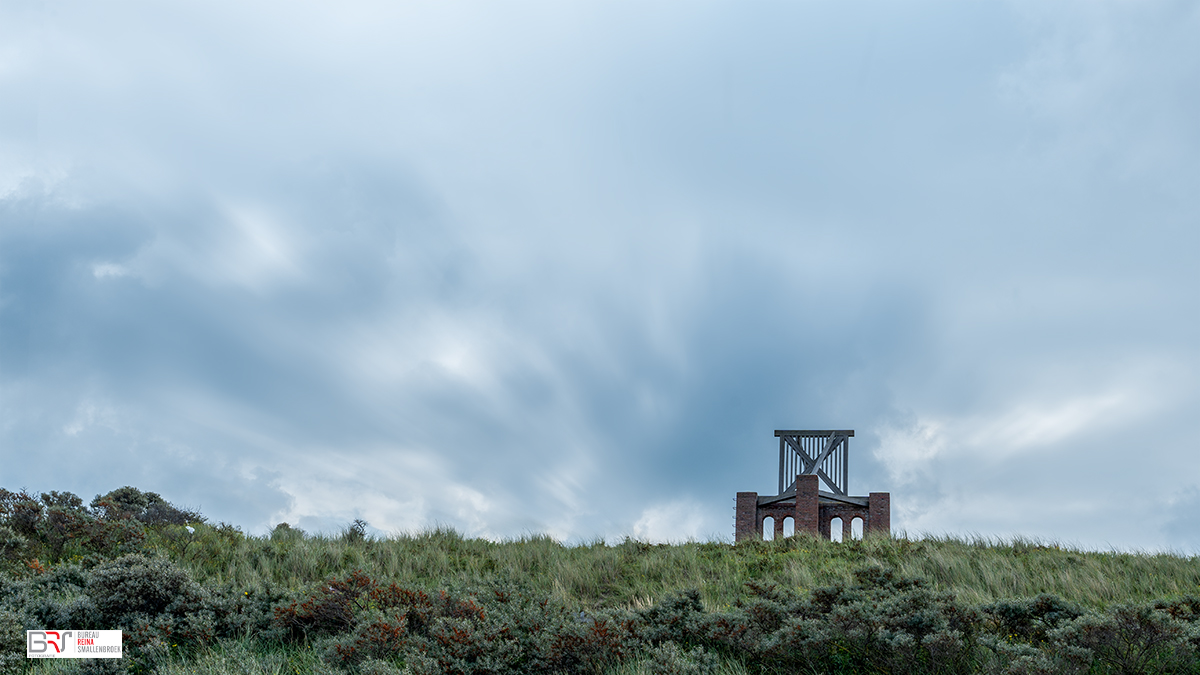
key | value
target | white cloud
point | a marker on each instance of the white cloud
(91, 414)
(109, 270)
(674, 521)
(906, 450)
(395, 490)
(1030, 427)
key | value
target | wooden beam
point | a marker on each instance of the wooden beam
(781, 476)
(814, 434)
(813, 465)
(832, 483)
(764, 500)
(829, 446)
(805, 460)
(860, 501)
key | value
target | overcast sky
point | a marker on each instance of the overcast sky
(563, 267)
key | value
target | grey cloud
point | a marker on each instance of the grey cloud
(1182, 522)
(565, 268)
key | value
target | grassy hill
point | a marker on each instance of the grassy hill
(194, 597)
(632, 573)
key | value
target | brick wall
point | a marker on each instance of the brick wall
(745, 522)
(808, 510)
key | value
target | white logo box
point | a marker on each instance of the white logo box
(73, 644)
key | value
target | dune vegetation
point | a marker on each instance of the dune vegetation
(196, 597)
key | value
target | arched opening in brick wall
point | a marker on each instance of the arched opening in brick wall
(835, 529)
(856, 528)
(789, 526)
(768, 528)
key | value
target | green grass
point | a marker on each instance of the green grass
(626, 575)
(635, 574)
(238, 657)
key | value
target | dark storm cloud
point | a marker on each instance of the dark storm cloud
(564, 269)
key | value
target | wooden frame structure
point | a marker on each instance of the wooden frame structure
(806, 459)
(824, 453)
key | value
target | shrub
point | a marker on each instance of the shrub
(285, 532)
(246, 611)
(355, 620)
(49, 610)
(11, 544)
(114, 538)
(1131, 639)
(147, 507)
(1029, 619)
(20, 511)
(12, 643)
(54, 597)
(879, 623)
(160, 608)
(677, 619)
(378, 667)
(67, 501)
(1186, 608)
(61, 525)
(57, 525)
(136, 584)
(355, 532)
(331, 609)
(1018, 658)
(669, 659)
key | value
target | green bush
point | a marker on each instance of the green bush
(1029, 619)
(11, 544)
(669, 659)
(158, 606)
(1185, 608)
(35, 531)
(12, 643)
(879, 623)
(355, 532)
(148, 507)
(355, 620)
(135, 584)
(1132, 639)
(20, 511)
(677, 619)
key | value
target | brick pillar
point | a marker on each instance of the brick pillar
(808, 511)
(778, 527)
(745, 520)
(847, 531)
(879, 514)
